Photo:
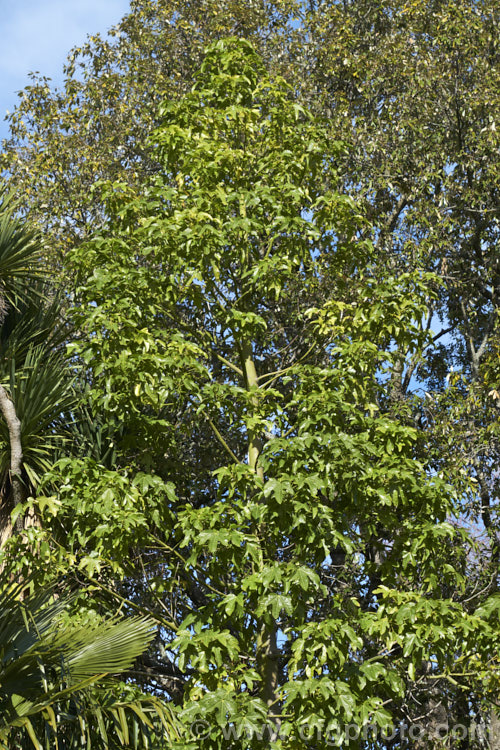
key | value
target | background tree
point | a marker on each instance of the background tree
(414, 89)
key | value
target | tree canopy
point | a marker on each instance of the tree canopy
(274, 228)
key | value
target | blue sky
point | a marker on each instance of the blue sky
(38, 34)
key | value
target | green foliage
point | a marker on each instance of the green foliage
(101, 511)
(237, 289)
(40, 389)
(52, 691)
(288, 351)
(20, 249)
(54, 666)
(97, 124)
(32, 367)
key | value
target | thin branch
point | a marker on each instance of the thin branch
(229, 364)
(443, 333)
(164, 545)
(143, 610)
(278, 373)
(222, 441)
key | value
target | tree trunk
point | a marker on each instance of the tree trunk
(267, 649)
(17, 493)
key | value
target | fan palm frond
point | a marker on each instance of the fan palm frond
(54, 675)
(20, 253)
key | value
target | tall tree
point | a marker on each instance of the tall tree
(291, 539)
(95, 127)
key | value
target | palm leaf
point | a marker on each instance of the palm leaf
(42, 395)
(31, 323)
(112, 648)
(20, 254)
(52, 674)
